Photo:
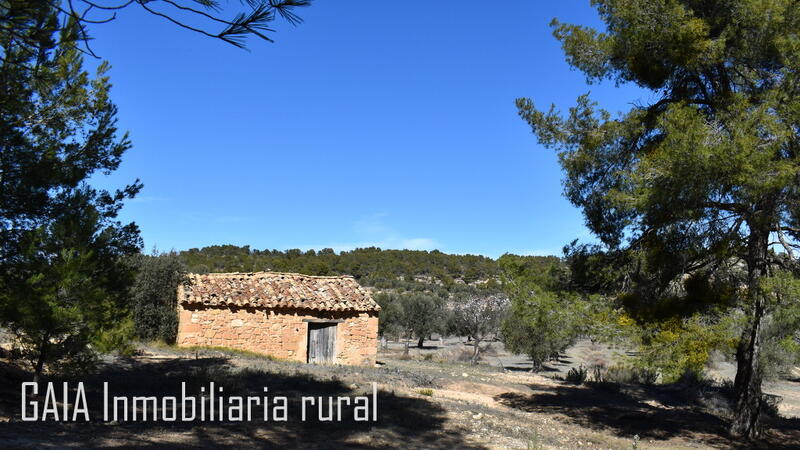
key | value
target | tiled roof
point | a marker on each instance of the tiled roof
(277, 290)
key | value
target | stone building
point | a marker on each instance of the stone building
(285, 315)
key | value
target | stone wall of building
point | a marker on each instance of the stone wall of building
(279, 333)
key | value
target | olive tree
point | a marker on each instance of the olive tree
(479, 316)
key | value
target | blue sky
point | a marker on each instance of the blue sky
(373, 123)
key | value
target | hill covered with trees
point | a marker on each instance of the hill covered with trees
(383, 269)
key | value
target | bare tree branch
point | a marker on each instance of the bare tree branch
(785, 244)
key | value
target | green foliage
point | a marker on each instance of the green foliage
(423, 315)
(426, 392)
(154, 296)
(388, 269)
(117, 338)
(478, 316)
(411, 315)
(64, 274)
(547, 272)
(253, 19)
(700, 178)
(577, 375)
(390, 318)
(593, 270)
(540, 324)
(676, 346)
(625, 374)
(781, 335)
(635, 442)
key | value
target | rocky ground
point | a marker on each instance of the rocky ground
(428, 399)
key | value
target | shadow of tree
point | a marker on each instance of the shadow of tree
(402, 421)
(663, 415)
(527, 368)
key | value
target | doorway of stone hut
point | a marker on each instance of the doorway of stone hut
(321, 342)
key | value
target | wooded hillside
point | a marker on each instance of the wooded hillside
(371, 266)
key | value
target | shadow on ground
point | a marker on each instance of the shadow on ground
(402, 421)
(652, 412)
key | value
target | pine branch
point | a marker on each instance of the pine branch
(285, 9)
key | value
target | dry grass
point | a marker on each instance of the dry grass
(203, 350)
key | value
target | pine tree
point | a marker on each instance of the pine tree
(63, 271)
(705, 176)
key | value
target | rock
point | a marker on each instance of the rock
(478, 416)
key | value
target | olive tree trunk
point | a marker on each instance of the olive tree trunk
(476, 353)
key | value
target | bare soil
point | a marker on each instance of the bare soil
(426, 400)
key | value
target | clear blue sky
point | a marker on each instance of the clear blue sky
(373, 123)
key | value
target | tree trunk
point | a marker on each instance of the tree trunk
(421, 340)
(747, 387)
(475, 353)
(746, 421)
(37, 372)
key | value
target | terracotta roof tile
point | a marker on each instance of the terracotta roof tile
(277, 290)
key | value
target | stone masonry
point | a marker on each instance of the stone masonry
(281, 332)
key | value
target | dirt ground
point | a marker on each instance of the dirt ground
(587, 354)
(427, 399)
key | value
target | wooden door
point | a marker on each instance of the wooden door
(321, 343)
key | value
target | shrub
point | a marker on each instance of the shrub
(154, 297)
(597, 373)
(577, 375)
(117, 339)
(539, 324)
(625, 375)
(647, 376)
(464, 356)
(674, 346)
(426, 392)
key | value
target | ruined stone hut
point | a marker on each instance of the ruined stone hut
(285, 315)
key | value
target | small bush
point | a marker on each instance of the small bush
(535, 441)
(619, 375)
(635, 442)
(597, 373)
(577, 375)
(464, 356)
(118, 339)
(426, 392)
(647, 376)
(77, 363)
(690, 377)
(718, 402)
(625, 375)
